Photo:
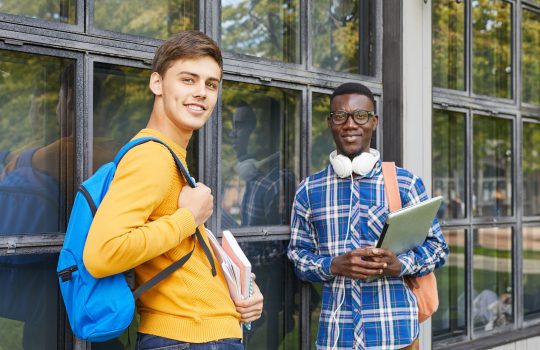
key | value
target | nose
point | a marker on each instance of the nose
(200, 91)
(350, 123)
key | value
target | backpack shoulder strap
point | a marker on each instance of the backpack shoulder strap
(142, 140)
(177, 264)
(391, 185)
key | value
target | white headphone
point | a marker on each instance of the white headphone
(361, 164)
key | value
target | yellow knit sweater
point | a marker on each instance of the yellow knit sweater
(139, 225)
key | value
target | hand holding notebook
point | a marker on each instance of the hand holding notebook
(236, 267)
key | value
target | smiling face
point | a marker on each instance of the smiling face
(185, 97)
(352, 139)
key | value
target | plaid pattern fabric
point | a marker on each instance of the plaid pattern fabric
(380, 314)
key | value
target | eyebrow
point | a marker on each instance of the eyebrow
(198, 76)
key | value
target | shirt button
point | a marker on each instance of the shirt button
(355, 310)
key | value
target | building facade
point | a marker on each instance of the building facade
(457, 87)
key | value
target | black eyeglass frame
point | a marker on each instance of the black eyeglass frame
(359, 113)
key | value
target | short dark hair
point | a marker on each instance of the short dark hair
(187, 44)
(353, 88)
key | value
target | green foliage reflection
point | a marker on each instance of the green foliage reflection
(448, 44)
(265, 28)
(530, 53)
(149, 18)
(63, 11)
(492, 49)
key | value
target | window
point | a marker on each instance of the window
(258, 150)
(531, 169)
(492, 50)
(151, 19)
(74, 83)
(449, 164)
(450, 319)
(448, 22)
(484, 150)
(343, 34)
(62, 11)
(266, 29)
(492, 167)
(530, 51)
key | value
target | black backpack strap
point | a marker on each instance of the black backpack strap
(177, 264)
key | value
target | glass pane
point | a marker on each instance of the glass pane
(343, 35)
(269, 29)
(260, 148)
(492, 275)
(449, 159)
(531, 271)
(63, 11)
(322, 142)
(448, 44)
(122, 106)
(37, 107)
(449, 320)
(29, 302)
(492, 48)
(530, 51)
(531, 169)
(492, 167)
(315, 307)
(279, 326)
(150, 18)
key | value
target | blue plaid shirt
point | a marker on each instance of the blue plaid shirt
(380, 314)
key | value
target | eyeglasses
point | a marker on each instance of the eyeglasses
(359, 116)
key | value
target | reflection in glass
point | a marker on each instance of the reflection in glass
(530, 51)
(259, 154)
(448, 28)
(37, 113)
(492, 168)
(322, 142)
(63, 11)
(343, 35)
(449, 320)
(121, 108)
(449, 162)
(269, 29)
(531, 271)
(28, 302)
(279, 326)
(492, 275)
(492, 48)
(149, 18)
(531, 168)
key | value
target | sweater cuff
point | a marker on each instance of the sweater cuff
(185, 223)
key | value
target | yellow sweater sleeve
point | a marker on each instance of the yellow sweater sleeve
(123, 234)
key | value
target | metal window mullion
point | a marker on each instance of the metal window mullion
(468, 47)
(469, 281)
(469, 232)
(305, 34)
(518, 295)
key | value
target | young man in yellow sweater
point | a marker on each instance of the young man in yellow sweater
(147, 219)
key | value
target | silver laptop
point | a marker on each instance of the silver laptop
(408, 227)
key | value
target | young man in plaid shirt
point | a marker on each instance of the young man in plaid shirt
(337, 217)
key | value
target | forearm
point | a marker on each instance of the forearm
(111, 249)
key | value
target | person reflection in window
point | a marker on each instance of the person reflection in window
(268, 188)
(266, 184)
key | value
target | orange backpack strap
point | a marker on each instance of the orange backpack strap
(391, 185)
(425, 287)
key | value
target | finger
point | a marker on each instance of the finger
(369, 264)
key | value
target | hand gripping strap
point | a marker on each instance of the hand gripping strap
(177, 264)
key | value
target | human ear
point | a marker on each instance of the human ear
(155, 84)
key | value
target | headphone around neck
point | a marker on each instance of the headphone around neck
(361, 164)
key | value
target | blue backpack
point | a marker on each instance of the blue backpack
(100, 309)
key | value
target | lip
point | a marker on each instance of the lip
(187, 105)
